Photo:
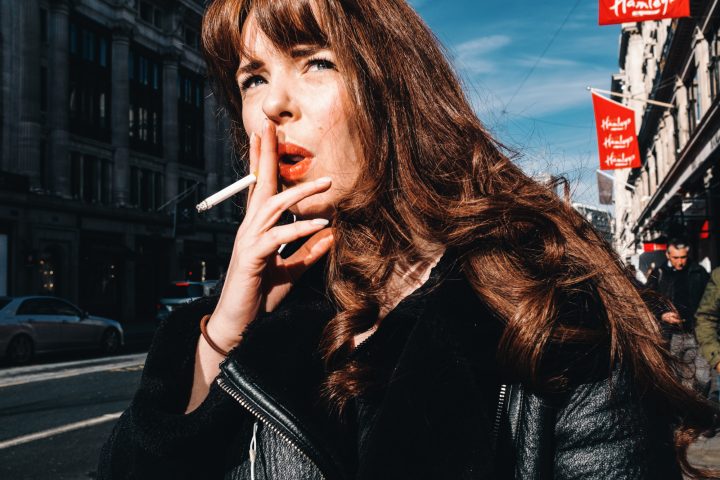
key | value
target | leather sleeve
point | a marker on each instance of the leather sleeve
(154, 438)
(605, 431)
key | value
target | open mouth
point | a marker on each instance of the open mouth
(293, 161)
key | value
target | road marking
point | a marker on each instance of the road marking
(52, 372)
(14, 371)
(13, 442)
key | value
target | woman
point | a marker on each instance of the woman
(457, 321)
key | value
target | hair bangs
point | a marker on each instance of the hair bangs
(288, 23)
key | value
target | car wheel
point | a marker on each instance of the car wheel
(20, 350)
(110, 342)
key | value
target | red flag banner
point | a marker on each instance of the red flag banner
(621, 11)
(617, 140)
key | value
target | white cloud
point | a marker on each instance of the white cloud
(528, 61)
(476, 55)
(546, 92)
(482, 44)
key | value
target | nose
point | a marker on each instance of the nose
(279, 104)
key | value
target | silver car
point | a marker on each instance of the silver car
(35, 324)
(181, 292)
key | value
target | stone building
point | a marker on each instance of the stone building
(106, 123)
(676, 189)
(600, 219)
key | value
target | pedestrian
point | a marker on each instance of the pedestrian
(435, 314)
(682, 281)
(706, 328)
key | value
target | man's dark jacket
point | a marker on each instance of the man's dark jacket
(684, 288)
(432, 412)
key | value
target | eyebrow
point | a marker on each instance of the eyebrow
(296, 52)
(300, 52)
(250, 67)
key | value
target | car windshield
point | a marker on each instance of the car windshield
(183, 290)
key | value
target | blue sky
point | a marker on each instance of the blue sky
(494, 45)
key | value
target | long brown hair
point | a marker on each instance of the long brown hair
(433, 174)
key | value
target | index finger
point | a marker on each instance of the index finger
(253, 156)
(266, 185)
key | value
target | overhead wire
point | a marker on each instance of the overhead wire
(542, 55)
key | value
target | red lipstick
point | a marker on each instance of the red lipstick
(293, 161)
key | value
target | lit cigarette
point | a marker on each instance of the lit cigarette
(226, 193)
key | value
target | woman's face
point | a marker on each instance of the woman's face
(302, 92)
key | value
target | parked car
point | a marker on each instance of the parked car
(181, 292)
(36, 324)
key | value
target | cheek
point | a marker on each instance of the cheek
(252, 117)
(339, 135)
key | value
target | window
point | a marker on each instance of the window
(149, 13)
(145, 114)
(191, 124)
(676, 132)
(192, 37)
(91, 178)
(33, 306)
(43, 25)
(197, 188)
(47, 306)
(90, 81)
(58, 307)
(714, 67)
(656, 168)
(146, 189)
(693, 104)
(43, 89)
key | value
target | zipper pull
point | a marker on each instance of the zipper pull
(253, 451)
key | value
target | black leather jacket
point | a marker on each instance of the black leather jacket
(440, 410)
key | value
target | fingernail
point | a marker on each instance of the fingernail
(323, 181)
(266, 122)
(320, 221)
(252, 137)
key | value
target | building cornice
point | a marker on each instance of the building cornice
(688, 165)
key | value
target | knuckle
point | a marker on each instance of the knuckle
(273, 235)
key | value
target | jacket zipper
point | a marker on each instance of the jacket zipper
(498, 415)
(268, 422)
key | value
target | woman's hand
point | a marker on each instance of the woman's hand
(258, 278)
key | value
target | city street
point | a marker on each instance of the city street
(55, 417)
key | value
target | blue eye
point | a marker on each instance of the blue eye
(320, 64)
(251, 82)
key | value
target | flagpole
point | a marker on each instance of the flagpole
(625, 95)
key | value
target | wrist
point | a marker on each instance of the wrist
(218, 336)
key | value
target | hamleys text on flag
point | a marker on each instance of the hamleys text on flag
(621, 11)
(617, 140)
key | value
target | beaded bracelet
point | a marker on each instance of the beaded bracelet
(203, 330)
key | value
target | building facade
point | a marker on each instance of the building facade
(107, 124)
(600, 219)
(676, 189)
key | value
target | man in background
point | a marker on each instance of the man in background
(682, 281)
(706, 330)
